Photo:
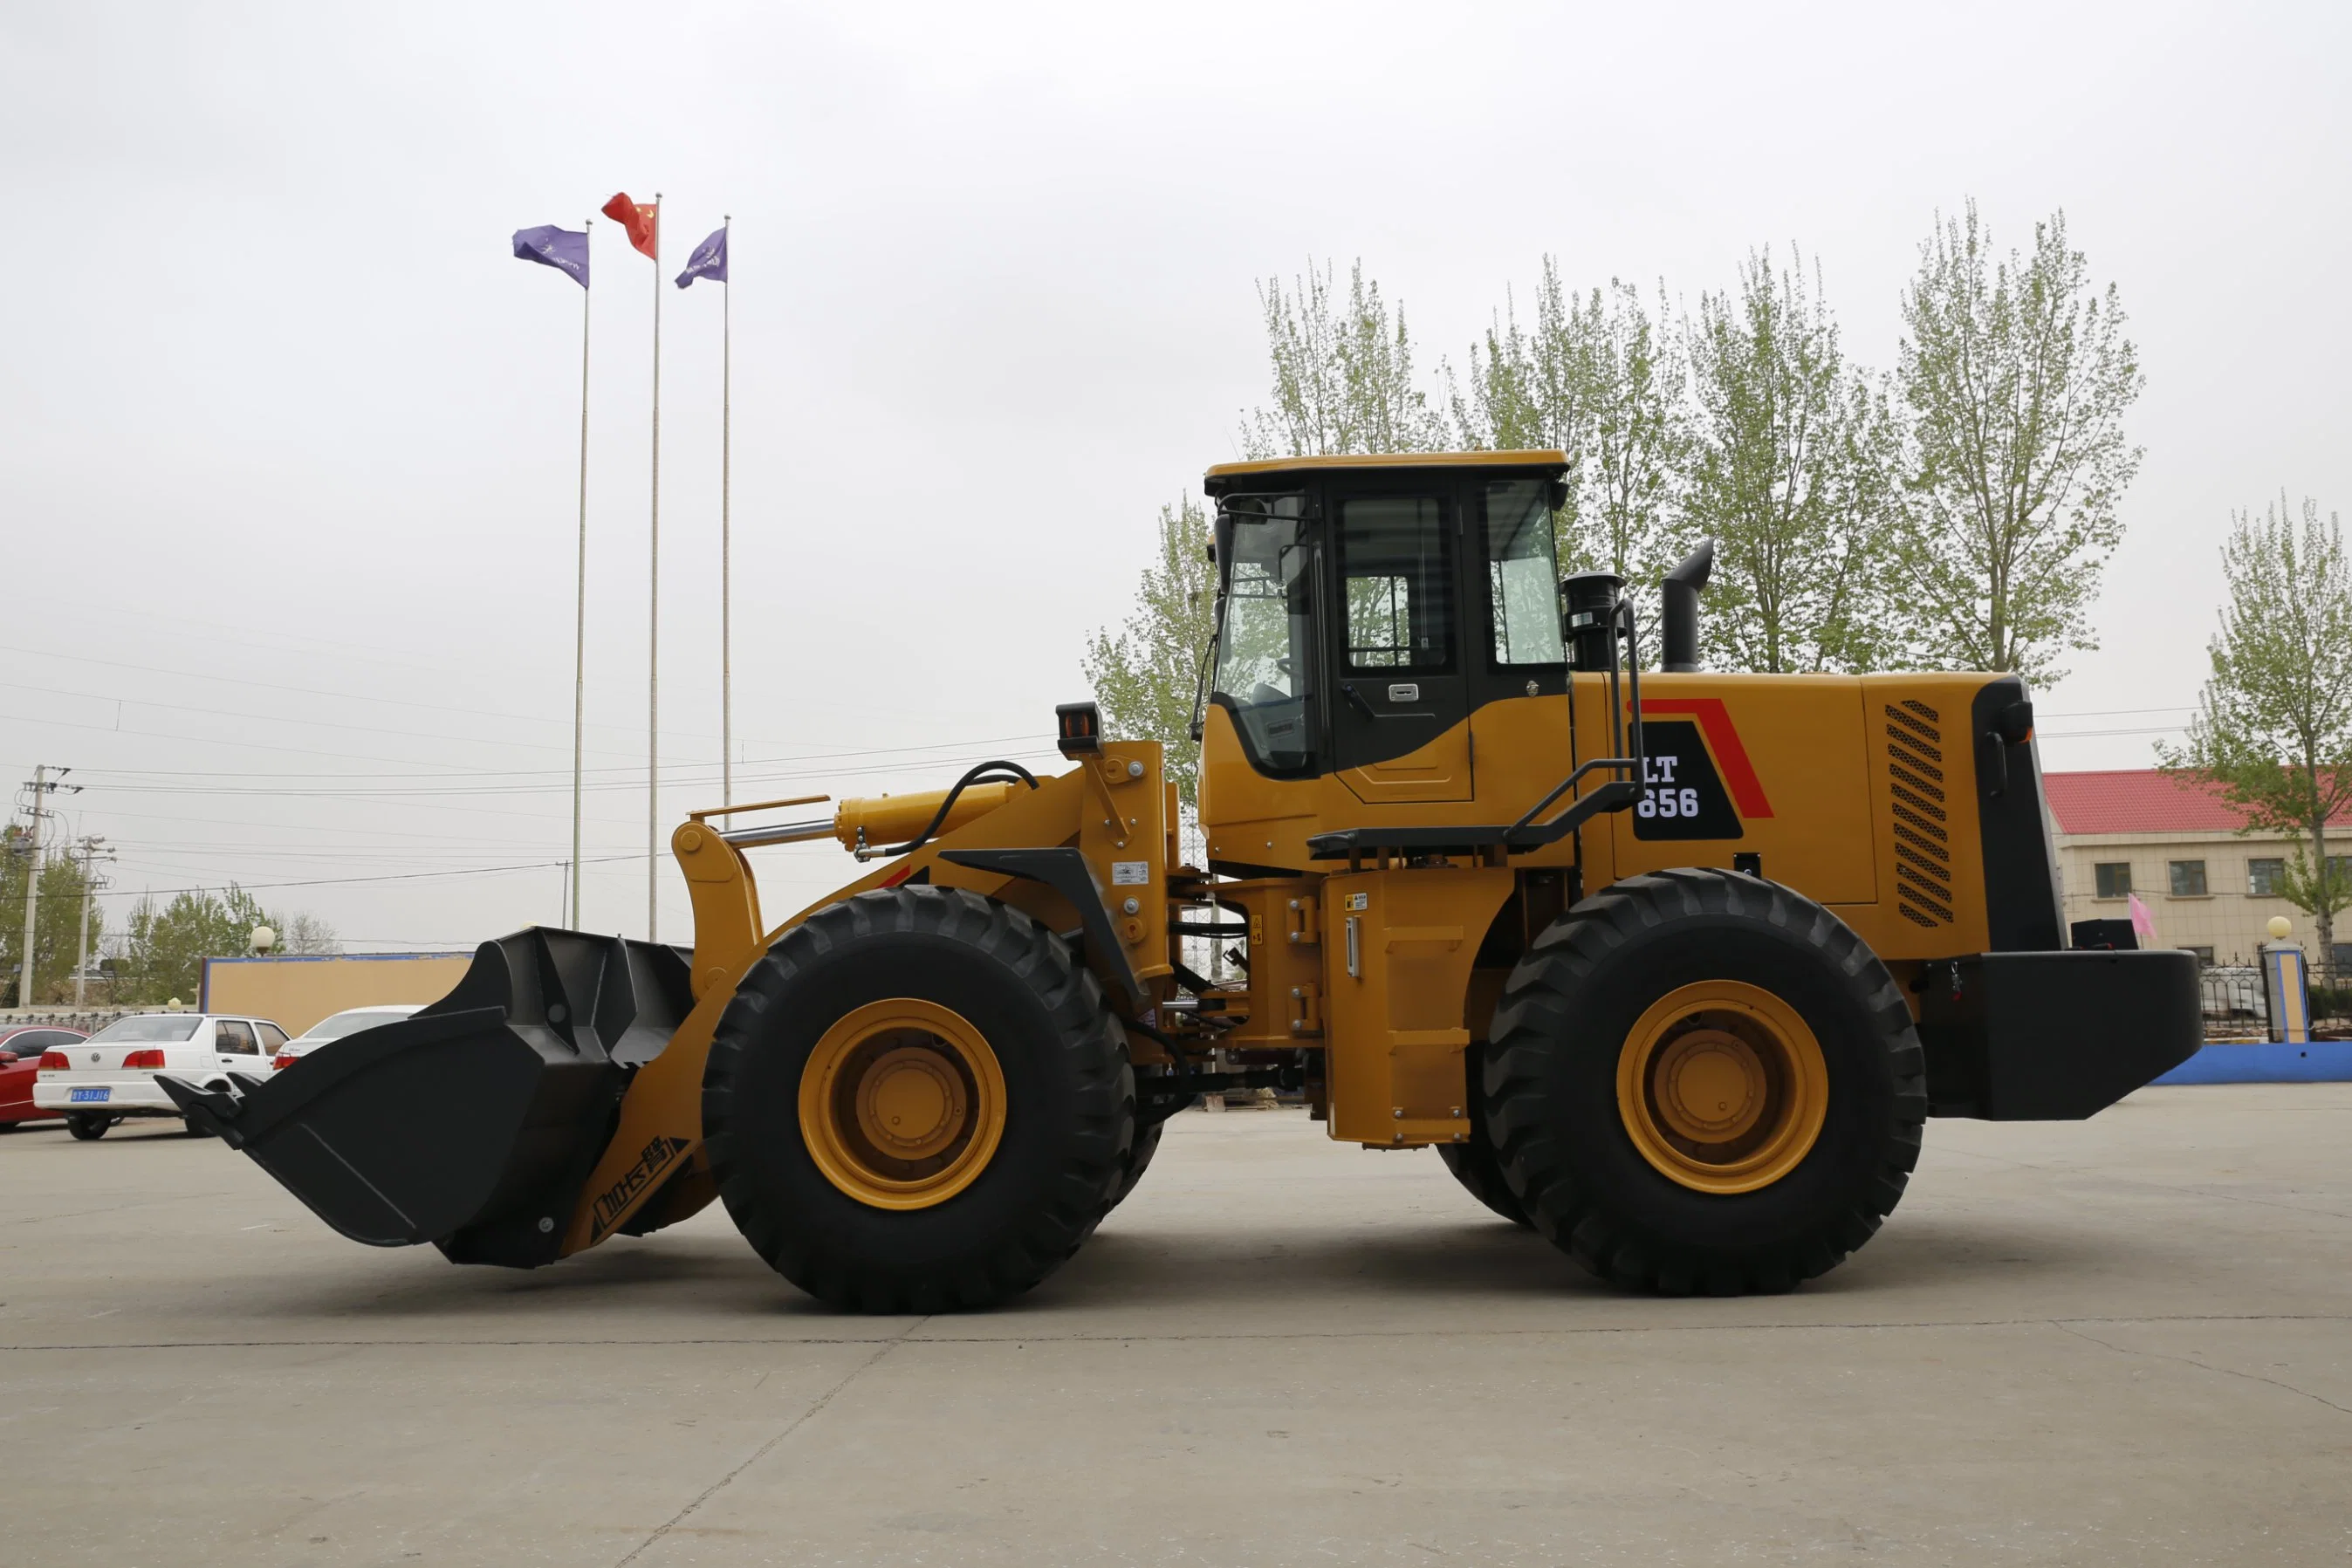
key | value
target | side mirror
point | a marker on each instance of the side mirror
(6, 1057)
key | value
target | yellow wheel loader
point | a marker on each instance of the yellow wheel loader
(1670, 966)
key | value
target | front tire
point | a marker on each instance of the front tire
(917, 1103)
(1701, 1080)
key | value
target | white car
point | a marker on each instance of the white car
(334, 1026)
(100, 1081)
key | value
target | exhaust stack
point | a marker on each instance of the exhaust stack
(1678, 608)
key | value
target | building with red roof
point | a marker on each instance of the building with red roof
(2210, 885)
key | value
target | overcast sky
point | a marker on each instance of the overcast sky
(291, 441)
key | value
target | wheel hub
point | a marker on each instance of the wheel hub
(902, 1103)
(1710, 1086)
(1722, 1087)
(911, 1102)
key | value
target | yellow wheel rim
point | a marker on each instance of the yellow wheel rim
(902, 1103)
(1722, 1087)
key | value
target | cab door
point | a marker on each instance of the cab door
(1399, 704)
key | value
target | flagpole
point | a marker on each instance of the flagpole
(726, 541)
(579, 611)
(653, 635)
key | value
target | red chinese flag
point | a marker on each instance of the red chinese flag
(639, 219)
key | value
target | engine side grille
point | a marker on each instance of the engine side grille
(1923, 856)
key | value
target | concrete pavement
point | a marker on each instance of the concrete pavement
(2128, 1341)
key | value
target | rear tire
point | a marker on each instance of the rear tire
(1475, 1163)
(1701, 1080)
(86, 1127)
(1036, 1139)
(1139, 1159)
(1475, 1166)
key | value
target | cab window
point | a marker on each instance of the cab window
(272, 1036)
(1266, 630)
(234, 1035)
(1522, 572)
(1397, 583)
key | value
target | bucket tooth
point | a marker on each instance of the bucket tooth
(213, 1111)
(473, 1122)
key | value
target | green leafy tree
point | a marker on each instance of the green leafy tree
(1790, 468)
(1343, 373)
(2274, 724)
(56, 941)
(1603, 380)
(2015, 375)
(1146, 674)
(1628, 482)
(163, 950)
(1528, 390)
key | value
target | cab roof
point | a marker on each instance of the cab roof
(1222, 476)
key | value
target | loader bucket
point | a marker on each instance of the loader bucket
(473, 1123)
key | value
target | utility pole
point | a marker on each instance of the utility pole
(87, 850)
(41, 786)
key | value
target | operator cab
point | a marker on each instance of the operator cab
(1367, 606)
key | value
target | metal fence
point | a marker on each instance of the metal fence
(88, 1019)
(2236, 1008)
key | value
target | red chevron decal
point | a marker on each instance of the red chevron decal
(1723, 739)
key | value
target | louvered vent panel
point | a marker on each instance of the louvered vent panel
(1922, 853)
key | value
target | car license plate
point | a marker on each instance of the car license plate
(88, 1096)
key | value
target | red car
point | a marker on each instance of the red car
(20, 1061)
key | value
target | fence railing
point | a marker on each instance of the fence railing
(89, 1020)
(2236, 1008)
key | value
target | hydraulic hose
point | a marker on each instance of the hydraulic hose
(998, 772)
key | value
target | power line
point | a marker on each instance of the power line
(341, 881)
(2089, 734)
(281, 686)
(306, 723)
(2115, 712)
(686, 773)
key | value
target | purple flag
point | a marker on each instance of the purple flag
(563, 249)
(709, 260)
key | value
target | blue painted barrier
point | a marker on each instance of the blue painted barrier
(2267, 1061)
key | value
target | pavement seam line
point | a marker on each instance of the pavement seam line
(794, 1425)
(2199, 1365)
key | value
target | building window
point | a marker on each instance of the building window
(2264, 876)
(2204, 957)
(2187, 879)
(2115, 878)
